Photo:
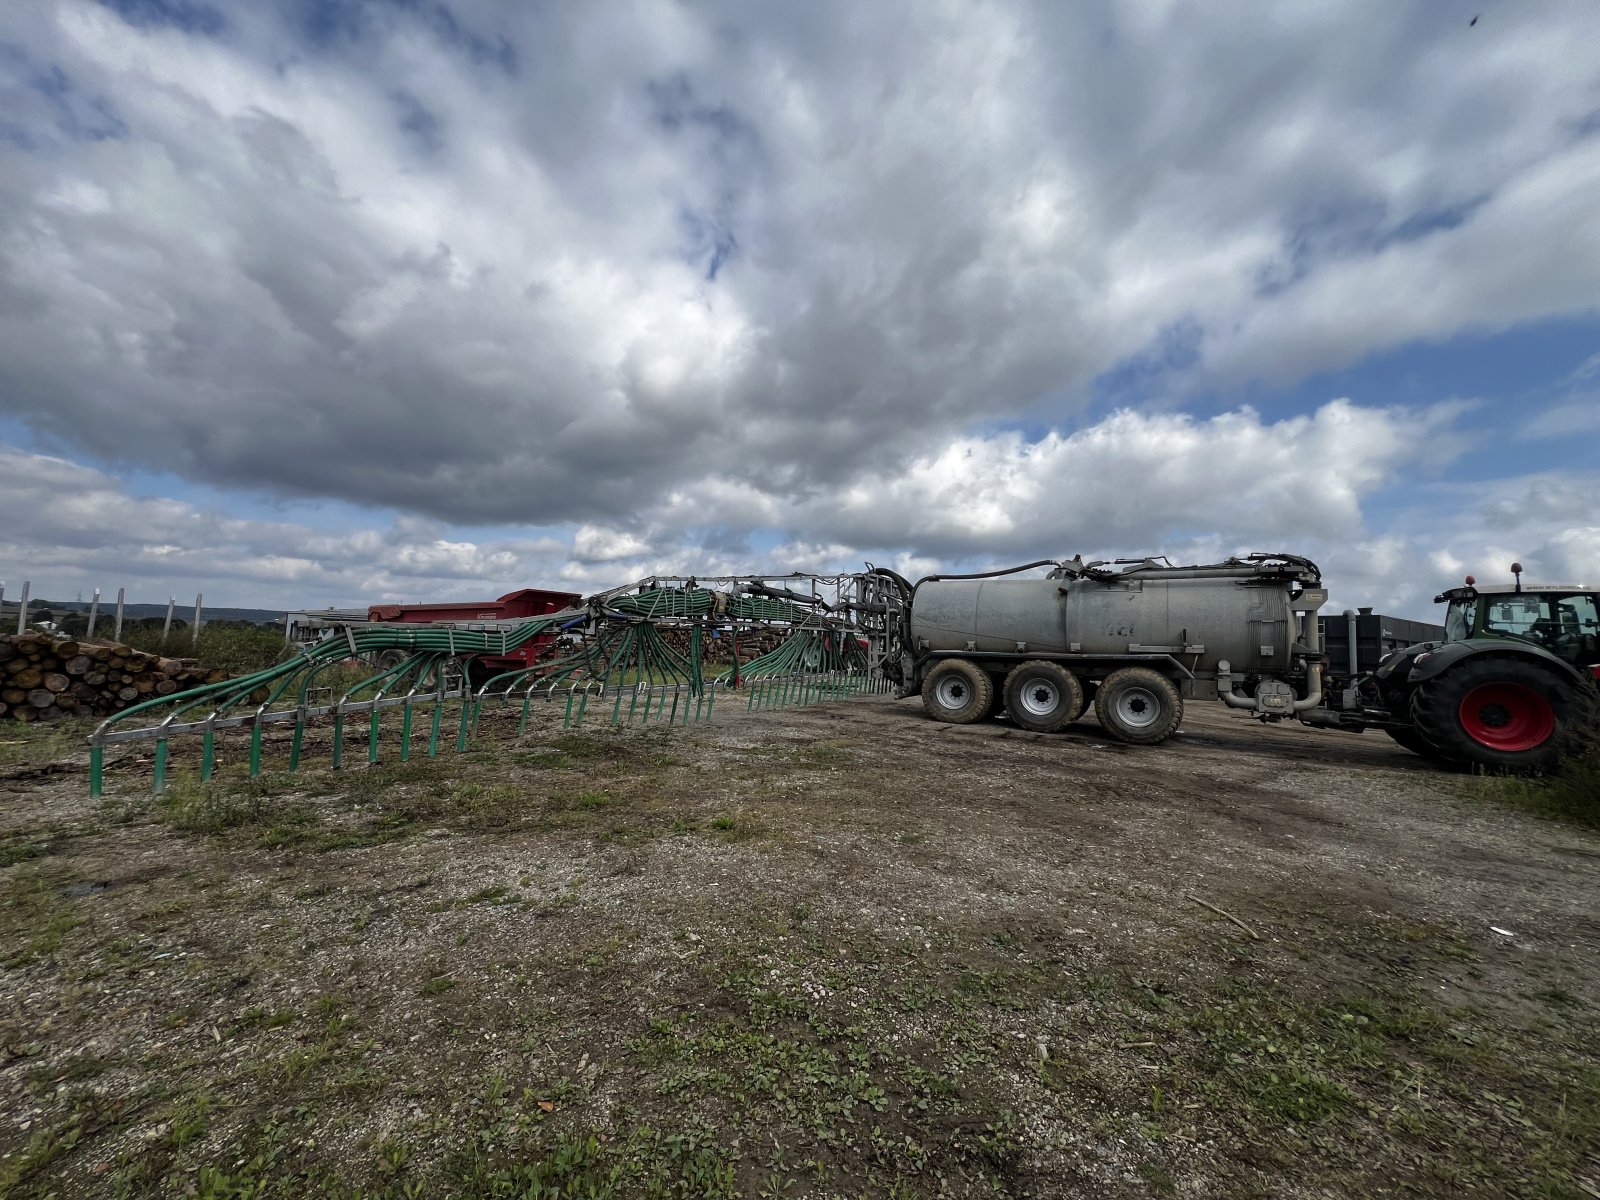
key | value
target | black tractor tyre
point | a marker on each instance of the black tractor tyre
(1495, 712)
(1409, 738)
(958, 691)
(1138, 706)
(1043, 696)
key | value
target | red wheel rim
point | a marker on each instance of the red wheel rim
(1507, 717)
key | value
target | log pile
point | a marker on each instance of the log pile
(753, 643)
(44, 679)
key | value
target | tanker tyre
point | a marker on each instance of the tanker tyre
(958, 692)
(1043, 696)
(1138, 706)
(1495, 712)
(1089, 690)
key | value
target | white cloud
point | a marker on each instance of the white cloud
(390, 270)
(470, 277)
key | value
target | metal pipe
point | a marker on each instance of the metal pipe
(1225, 691)
(1351, 657)
(1313, 642)
(1314, 683)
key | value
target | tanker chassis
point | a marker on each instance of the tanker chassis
(1136, 638)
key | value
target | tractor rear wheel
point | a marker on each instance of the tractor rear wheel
(1411, 740)
(958, 691)
(1139, 706)
(1494, 712)
(1043, 696)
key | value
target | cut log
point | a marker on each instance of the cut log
(78, 664)
(95, 678)
(8, 651)
(26, 714)
(66, 649)
(144, 685)
(29, 679)
(85, 693)
(128, 693)
(14, 696)
(56, 683)
(40, 698)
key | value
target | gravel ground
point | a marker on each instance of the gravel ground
(840, 950)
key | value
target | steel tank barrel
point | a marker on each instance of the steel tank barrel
(1199, 618)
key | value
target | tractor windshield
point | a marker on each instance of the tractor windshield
(1566, 625)
(1458, 620)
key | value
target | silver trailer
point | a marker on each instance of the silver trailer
(1134, 637)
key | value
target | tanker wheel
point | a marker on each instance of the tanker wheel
(1043, 696)
(1493, 712)
(958, 691)
(1139, 706)
(1089, 689)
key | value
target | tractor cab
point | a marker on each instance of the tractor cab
(1562, 619)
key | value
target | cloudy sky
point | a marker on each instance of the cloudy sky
(321, 301)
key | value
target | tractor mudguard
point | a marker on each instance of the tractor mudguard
(1437, 658)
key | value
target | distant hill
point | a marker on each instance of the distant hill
(108, 607)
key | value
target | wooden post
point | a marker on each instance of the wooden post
(116, 630)
(22, 609)
(166, 630)
(197, 610)
(94, 612)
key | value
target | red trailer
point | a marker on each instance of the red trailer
(513, 606)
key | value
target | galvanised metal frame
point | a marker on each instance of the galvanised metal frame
(619, 662)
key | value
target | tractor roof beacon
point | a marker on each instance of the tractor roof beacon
(1512, 682)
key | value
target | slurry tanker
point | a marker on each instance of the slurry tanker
(1505, 683)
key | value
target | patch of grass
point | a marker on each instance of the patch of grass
(436, 986)
(1571, 794)
(22, 848)
(40, 743)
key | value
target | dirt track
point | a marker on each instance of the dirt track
(830, 951)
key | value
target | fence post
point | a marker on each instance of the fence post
(94, 613)
(166, 630)
(116, 632)
(196, 635)
(22, 609)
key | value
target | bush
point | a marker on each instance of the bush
(232, 647)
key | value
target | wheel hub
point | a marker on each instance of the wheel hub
(1137, 708)
(953, 693)
(1509, 717)
(1040, 699)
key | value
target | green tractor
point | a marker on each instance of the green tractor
(1514, 684)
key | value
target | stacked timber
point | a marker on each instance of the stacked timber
(753, 643)
(43, 678)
